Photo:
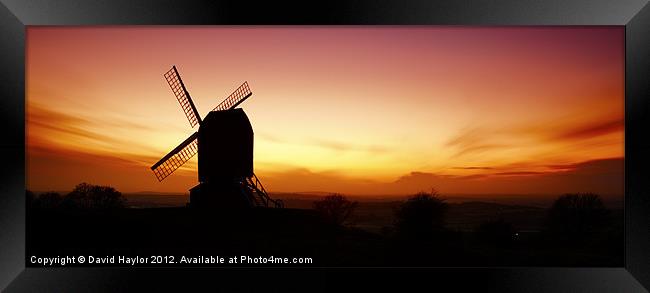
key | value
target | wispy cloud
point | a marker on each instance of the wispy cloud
(518, 173)
(590, 130)
(59, 169)
(332, 145)
(57, 131)
(603, 176)
(342, 147)
(473, 168)
(473, 140)
(40, 118)
(482, 139)
(40, 114)
(270, 137)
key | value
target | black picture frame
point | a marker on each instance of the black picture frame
(15, 15)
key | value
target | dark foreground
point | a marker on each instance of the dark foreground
(293, 233)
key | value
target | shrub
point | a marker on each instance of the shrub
(421, 215)
(335, 208)
(575, 214)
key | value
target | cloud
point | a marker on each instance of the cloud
(270, 138)
(472, 177)
(467, 138)
(562, 166)
(483, 139)
(473, 168)
(480, 148)
(603, 176)
(69, 129)
(473, 140)
(601, 166)
(59, 139)
(593, 129)
(344, 147)
(41, 115)
(39, 119)
(304, 180)
(61, 169)
(327, 144)
(46, 127)
(518, 173)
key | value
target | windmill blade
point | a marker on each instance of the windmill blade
(237, 97)
(176, 158)
(178, 88)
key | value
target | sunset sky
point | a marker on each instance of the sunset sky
(357, 110)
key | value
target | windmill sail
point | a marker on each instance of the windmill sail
(178, 88)
(237, 97)
(176, 158)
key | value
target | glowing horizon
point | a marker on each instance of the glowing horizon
(348, 109)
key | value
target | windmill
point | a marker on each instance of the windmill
(224, 143)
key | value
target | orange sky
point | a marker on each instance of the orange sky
(359, 110)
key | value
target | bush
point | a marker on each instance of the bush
(335, 208)
(576, 214)
(87, 195)
(421, 215)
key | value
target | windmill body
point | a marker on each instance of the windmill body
(224, 143)
(225, 146)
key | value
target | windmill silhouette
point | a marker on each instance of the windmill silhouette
(224, 143)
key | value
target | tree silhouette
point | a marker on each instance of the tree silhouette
(576, 214)
(86, 195)
(421, 215)
(335, 208)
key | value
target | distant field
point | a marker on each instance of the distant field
(376, 213)
(156, 200)
(304, 200)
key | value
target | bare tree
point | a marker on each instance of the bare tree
(335, 208)
(86, 195)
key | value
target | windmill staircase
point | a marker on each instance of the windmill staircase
(257, 196)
